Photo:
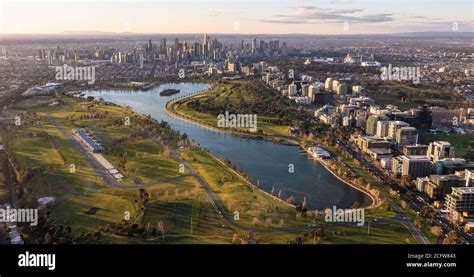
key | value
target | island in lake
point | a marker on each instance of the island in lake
(168, 92)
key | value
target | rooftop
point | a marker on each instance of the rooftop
(442, 142)
(416, 158)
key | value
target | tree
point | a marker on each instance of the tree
(436, 230)
(291, 200)
(48, 238)
(160, 226)
(403, 204)
(417, 223)
(235, 237)
(303, 206)
(252, 238)
(356, 205)
(451, 238)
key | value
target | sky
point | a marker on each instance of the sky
(235, 16)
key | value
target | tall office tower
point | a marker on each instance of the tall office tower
(438, 150)
(382, 128)
(416, 166)
(305, 89)
(163, 46)
(394, 126)
(371, 126)
(328, 84)
(50, 57)
(176, 44)
(141, 60)
(197, 49)
(273, 45)
(460, 200)
(242, 45)
(205, 45)
(41, 54)
(406, 136)
(312, 91)
(150, 45)
(292, 89)
(148, 50)
(204, 50)
(441, 185)
(77, 56)
(254, 45)
(262, 45)
(341, 89)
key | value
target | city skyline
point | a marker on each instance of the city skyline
(237, 17)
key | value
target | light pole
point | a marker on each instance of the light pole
(368, 225)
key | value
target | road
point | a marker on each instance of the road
(401, 215)
(412, 201)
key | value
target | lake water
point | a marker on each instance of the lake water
(265, 162)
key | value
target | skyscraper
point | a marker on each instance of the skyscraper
(150, 45)
(163, 46)
(438, 150)
(176, 44)
(206, 45)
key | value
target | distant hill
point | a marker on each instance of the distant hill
(434, 34)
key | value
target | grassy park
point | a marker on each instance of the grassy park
(143, 151)
(87, 204)
(229, 97)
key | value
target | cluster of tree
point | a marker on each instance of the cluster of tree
(313, 236)
(140, 204)
(47, 231)
(133, 230)
(322, 69)
(429, 212)
(96, 115)
(249, 238)
(264, 101)
(451, 238)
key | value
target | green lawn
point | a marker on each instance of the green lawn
(405, 96)
(240, 197)
(379, 234)
(461, 142)
(81, 191)
(221, 94)
(182, 205)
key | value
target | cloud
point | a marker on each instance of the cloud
(346, 11)
(314, 15)
(284, 21)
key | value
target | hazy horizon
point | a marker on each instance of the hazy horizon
(337, 17)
